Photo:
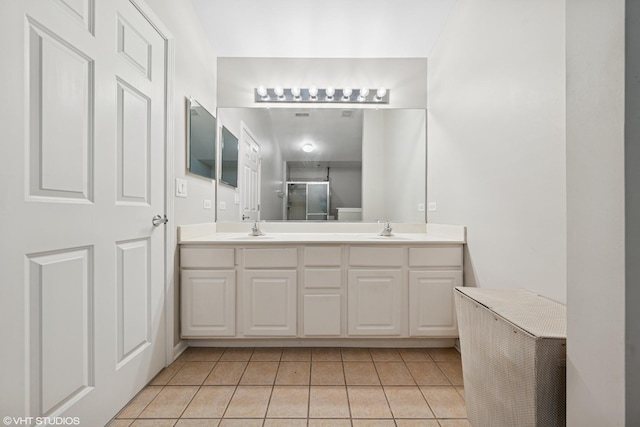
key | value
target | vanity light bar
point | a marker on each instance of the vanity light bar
(328, 95)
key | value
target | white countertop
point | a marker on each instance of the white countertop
(411, 234)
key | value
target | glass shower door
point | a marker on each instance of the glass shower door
(317, 201)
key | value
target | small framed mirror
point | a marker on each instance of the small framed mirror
(202, 131)
(229, 173)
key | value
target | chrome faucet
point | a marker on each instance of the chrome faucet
(387, 230)
(255, 230)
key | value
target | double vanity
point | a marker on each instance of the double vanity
(315, 283)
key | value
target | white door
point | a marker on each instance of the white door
(374, 302)
(431, 307)
(270, 298)
(208, 303)
(250, 184)
(81, 298)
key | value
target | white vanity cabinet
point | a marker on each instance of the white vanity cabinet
(319, 290)
(269, 289)
(208, 288)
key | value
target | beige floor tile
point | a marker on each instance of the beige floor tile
(427, 373)
(455, 423)
(249, 422)
(444, 354)
(293, 373)
(201, 354)
(368, 402)
(407, 402)
(249, 402)
(417, 423)
(460, 390)
(328, 402)
(385, 355)
(209, 402)
(240, 354)
(296, 354)
(154, 423)
(120, 423)
(326, 354)
(360, 373)
(226, 373)
(289, 402)
(415, 355)
(184, 422)
(373, 423)
(170, 402)
(283, 422)
(329, 423)
(266, 354)
(393, 373)
(260, 373)
(135, 407)
(445, 402)
(453, 371)
(327, 373)
(356, 354)
(192, 373)
(166, 374)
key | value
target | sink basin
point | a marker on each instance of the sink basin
(248, 237)
(394, 237)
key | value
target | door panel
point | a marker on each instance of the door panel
(250, 185)
(82, 266)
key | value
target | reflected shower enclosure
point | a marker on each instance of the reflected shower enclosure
(307, 201)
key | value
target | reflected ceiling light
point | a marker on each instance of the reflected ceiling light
(307, 148)
(314, 94)
(329, 92)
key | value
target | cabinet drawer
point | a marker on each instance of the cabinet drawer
(273, 257)
(438, 256)
(320, 278)
(363, 256)
(323, 256)
(207, 257)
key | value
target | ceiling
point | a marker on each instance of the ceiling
(335, 134)
(323, 28)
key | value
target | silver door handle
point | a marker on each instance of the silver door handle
(157, 220)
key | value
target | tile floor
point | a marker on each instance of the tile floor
(303, 387)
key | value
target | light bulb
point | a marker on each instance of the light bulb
(262, 91)
(295, 91)
(380, 93)
(330, 92)
(307, 148)
(346, 92)
(313, 91)
(279, 92)
(364, 92)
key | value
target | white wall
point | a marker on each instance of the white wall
(373, 208)
(195, 71)
(496, 144)
(272, 166)
(595, 213)
(406, 78)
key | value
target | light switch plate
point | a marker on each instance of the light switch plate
(223, 206)
(236, 199)
(433, 206)
(181, 188)
(206, 204)
(420, 207)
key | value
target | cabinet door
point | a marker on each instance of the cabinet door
(269, 302)
(431, 306)
(208, 303)
(374, 302)
(322, 315)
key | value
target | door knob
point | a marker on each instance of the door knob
(157, 220)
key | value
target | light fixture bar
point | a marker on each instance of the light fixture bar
(334, 96)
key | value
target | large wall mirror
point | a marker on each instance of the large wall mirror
(202, 131)
(326, 164)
